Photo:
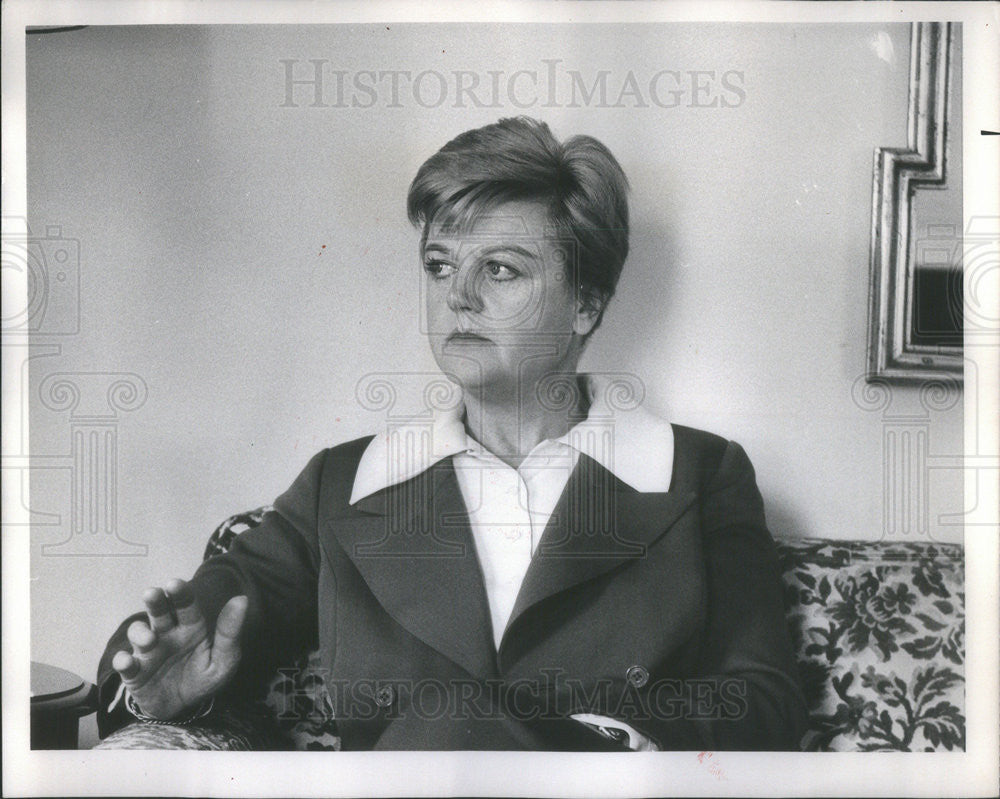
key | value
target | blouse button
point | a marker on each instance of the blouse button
(384, 696)
(637, 676)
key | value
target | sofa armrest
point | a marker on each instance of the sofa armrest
(234, 729)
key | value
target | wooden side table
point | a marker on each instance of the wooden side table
(59, 699)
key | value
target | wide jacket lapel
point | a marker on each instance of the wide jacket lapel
(598, 523)
(413, 546)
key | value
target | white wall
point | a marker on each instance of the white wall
(202, 206)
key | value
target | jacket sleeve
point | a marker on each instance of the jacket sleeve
(276, 566)
(746, 654)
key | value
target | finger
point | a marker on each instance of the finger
(142, 638)
(161, 617)
(226, 645)
(182, 598)
(126, 665)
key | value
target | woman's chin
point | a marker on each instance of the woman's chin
(475, 376)
(465, 368)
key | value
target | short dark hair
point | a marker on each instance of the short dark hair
(518, 158)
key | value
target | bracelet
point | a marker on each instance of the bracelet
(203, 710)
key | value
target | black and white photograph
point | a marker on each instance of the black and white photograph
(553, 398)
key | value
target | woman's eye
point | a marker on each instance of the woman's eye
(439, 269)
(500, 272)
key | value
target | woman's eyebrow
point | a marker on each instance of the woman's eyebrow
(491, 250)
(511, 248)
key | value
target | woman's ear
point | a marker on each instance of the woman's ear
(588, 312)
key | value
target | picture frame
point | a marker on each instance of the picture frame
(915, 292)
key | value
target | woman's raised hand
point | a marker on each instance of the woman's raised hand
(174, 664)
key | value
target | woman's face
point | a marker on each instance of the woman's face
(501, 302)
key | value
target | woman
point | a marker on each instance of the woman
(531, 570)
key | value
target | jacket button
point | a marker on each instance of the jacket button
(637, 676)
(385, 696)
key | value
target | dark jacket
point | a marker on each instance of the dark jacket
(663, 610)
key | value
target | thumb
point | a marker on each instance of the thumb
(226, 645)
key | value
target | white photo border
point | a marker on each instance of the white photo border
(973, 772)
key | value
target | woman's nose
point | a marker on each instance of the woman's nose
(463, 293)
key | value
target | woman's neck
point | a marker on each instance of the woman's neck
(511, 424)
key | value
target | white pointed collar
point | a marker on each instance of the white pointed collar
(632, 443)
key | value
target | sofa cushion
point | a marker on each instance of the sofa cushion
(879, 628)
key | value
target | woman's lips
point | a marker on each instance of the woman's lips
(467, 337)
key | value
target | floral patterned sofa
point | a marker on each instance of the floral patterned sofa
(879, 628)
